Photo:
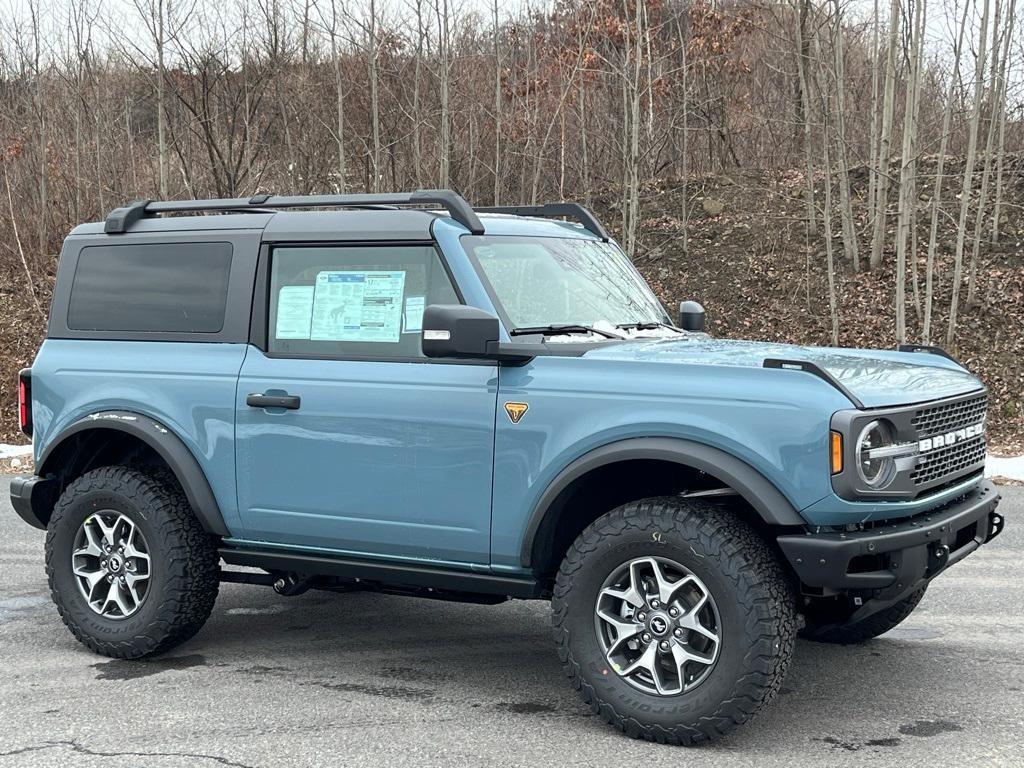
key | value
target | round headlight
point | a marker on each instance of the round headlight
(876, 470)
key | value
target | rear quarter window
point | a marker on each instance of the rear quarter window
(158, 288)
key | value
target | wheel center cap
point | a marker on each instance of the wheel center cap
(658, 625)
(114, 563)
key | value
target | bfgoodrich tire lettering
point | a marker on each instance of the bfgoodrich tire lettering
(183, 561)
(754, 598)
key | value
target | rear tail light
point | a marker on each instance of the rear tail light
(25, 400)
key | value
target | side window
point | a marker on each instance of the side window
(353, 301)
(159, 288)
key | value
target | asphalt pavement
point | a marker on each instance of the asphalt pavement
(364, 680)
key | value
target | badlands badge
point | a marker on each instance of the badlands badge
(515, 411)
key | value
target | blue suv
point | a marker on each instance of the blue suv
(404, 394)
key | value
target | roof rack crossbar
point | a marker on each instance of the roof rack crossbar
(552, 211)
(121, 220)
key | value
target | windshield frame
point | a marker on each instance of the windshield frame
(499, 306)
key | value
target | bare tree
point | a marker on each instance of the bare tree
(850, 247)
(885, 137)
(936, 202)
(968, 177)
(1000, 108)
(907, 181)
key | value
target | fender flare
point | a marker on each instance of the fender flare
(751, 485)
(167, 445)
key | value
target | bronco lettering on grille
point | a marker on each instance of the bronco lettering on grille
(951, 438)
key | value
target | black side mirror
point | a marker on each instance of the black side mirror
(691, 316)
(455, 330)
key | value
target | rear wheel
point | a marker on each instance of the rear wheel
(131, 570)
(673, 619)
(824, 628)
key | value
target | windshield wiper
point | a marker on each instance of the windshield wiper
(555, 329)
(649, 326)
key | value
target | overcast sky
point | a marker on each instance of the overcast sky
(120, 19)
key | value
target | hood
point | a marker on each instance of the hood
(876, 377)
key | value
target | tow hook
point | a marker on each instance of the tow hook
(938, 555)
(291, 585)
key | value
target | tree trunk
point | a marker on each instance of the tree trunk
(850, 248)
(947, 117)
(906, 202)
(888, 107)
(802, 62)
(497, 109)
(1011, 18)
(968, 179)
(823, 85)
(374, 99)
(873, 157)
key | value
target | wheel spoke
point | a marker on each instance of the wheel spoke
(691, 621)
(623, 630)
(109, 531)
(92, 543)
(116, 596)
(133, 552)
(683, 655)
(92, 578)
(645, 660)
(629, 595)
(132, 581)
(667, 589)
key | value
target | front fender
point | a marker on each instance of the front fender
(750, 484)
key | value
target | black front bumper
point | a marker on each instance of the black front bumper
(890, 560)
(32, 498)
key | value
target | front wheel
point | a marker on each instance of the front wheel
(673, 619)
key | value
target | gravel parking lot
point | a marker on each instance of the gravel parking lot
(352, 680)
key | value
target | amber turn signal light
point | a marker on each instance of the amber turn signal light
(837, 453)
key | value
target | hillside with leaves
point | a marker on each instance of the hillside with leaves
(813, 171)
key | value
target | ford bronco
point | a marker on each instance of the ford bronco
(405, 394)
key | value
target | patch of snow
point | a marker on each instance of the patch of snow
(1010, 466)
(10, 451)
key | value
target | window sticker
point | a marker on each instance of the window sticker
(414, 306)
(294, 312)
(357, 306)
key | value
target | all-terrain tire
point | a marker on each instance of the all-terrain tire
(184, 563)
(867, 629)
(755, 600)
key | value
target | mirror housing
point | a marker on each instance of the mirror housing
(691, 316)
(455, 330)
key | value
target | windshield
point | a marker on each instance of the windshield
(541, 281)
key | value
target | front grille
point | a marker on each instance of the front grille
(953, 460)
(948, 417)
(948, 462)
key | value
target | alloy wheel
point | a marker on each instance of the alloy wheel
(111, 564)
(658, 626)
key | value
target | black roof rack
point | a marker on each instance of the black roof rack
(120, 220)
(553, 211)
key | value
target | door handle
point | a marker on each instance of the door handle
(256, 400)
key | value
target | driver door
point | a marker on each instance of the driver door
(347, 438)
